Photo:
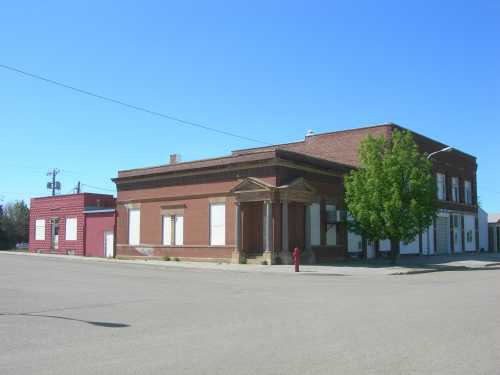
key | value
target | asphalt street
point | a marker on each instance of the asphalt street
(60, 316)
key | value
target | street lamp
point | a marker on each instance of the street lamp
(446, 149)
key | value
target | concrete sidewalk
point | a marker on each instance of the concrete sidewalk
(382, 267)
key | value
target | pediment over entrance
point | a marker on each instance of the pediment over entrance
(252, 184)
(252, 189)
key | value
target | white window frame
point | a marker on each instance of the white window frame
(468, 192)
(219, 239)
(134, 239)
(40, 230)
(71, 229)
(441, 186)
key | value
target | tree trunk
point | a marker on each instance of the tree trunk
(395, 250)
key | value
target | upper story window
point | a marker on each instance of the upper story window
(70, 228)
(455, 192)
(441, 186)
(468, 192)
(173, 230)
(134, 226)
(40, 230)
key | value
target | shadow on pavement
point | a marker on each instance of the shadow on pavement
(98, 324)
(419, 261)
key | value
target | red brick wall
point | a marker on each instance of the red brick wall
(62, 207)
(95, 226)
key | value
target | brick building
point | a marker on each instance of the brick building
(74, 224)
(260, 203)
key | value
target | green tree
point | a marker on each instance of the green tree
(392, 194)
(15, 223)
(4, 244)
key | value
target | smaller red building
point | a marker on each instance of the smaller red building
(74, 224)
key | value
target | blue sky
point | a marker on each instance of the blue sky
(268, 70)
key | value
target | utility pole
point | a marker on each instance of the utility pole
(54, 185)
(78, 188)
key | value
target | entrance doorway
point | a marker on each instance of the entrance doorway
(54, 224)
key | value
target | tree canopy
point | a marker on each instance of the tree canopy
(392, 194)
(14, 224)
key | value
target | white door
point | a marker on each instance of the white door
(108, 244)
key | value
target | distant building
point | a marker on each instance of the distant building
(494, 232)
(74, 224)
(260, 203)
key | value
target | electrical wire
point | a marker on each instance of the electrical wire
(132, 106)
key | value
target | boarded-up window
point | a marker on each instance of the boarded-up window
(40, 230)
(314, 211)
(173, 230)
(71, 231)
(134, 226)
(179, 230)
(167, 230)
(217, 224)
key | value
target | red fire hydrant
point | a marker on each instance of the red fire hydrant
(296, 258)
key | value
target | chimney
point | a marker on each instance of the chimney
(175, 158)
(309, 133)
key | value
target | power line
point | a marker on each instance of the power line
(132, 106)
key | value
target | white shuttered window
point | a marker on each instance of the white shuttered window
(134, 226)
(71, 229)
(217, 224)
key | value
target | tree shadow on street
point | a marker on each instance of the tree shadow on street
(94, 323)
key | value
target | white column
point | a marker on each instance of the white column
(268, 225)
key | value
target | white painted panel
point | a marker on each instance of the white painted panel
(217, 224)
(40, 230)
(134, 226)
(315, 224)
(71, 229)
(108, 244)
(470, 233)
(179, 230)
(411, 248)
(167, 230)
(354, 242)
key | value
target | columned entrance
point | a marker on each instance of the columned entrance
(270, 221)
